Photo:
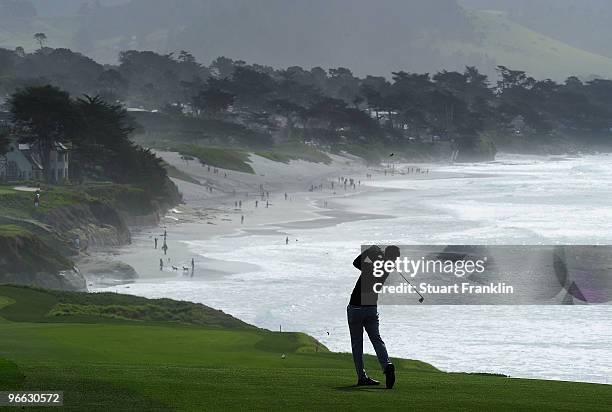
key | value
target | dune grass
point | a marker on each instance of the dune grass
(231, 159)
(106, 365)
(286, 152)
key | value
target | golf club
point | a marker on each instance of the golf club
(421, 299)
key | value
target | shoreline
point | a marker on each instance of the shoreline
(206, 216)
(199, 290)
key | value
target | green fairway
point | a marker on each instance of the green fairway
(117, 363)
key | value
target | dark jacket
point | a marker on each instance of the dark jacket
(363, 292)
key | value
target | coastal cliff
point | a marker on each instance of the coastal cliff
(38, 245)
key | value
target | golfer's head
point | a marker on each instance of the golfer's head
(392, 252)
(374, 253)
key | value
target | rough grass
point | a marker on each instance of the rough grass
(372, 154)
(163, 366)
(62, 306)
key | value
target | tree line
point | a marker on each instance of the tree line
(329, 106)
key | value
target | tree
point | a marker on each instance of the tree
(112, 84)
(41, 39)
(223, 67)
(49, 115)
(4, 142)
(213, 99)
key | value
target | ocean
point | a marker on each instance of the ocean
(516, 200)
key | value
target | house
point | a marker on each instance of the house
(59, 162)
(21, 162)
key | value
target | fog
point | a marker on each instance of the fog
(370, 37)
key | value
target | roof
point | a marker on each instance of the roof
(59, 146)
(34, 161)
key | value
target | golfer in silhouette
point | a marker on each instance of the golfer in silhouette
(362, 313)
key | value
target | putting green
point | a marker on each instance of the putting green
(111, 364)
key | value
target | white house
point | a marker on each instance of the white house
(59, 162)
(18, 164)
(22, 163)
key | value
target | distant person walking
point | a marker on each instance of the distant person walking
(37, 198)
(192, 266)
(155, 242)
(362, 313)
(165, 248)
(242, 219)
(161, 264)
(287, 240)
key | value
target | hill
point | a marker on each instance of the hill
(584, 24)
(120, 364)
(418, 36)
(504, 41)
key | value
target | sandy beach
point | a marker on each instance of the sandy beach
(235, 206)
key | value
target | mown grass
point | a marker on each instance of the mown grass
(21, 204)
(6, 190)
(167, 366)
(127, 198)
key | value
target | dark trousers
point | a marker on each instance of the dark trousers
(360, 318)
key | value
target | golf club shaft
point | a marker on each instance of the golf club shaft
(415, 289)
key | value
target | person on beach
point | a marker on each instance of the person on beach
(192, 266)
(161, 264)
(155, 239)
(165, 248)
(287, 240)
(241, 219)
(362, 313)
(256, 203)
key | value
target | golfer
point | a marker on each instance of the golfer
(362, 313)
